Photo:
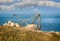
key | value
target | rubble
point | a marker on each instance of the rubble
(10, 23)
(28, 26)
(31, 26)
(58, 33)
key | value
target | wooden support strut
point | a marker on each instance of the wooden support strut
(39, 25)
(20, 19)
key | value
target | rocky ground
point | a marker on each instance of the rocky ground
(8, 33)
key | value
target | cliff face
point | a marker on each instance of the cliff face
(8, 33)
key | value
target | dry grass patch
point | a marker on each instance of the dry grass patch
(21, 34)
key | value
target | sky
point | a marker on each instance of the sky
(44, 7)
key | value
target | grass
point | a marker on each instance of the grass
(21, 34)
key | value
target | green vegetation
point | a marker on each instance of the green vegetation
(19, 34)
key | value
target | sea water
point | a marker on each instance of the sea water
(47, 24)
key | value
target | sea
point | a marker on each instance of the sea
(46, 23)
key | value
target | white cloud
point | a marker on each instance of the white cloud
(28, 3)
(6, 7)
(49, 3)
(5, 1)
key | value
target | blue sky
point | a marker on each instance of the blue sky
(44, 7)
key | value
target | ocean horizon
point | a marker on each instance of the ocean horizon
(47, 24)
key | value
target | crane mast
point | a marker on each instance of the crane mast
(37, 16)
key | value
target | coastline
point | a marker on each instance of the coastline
(22, 34)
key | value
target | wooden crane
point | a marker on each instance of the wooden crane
(37, 16)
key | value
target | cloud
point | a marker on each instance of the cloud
(6, 1)
(29, 3)
(6, 7)
(49, 3)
